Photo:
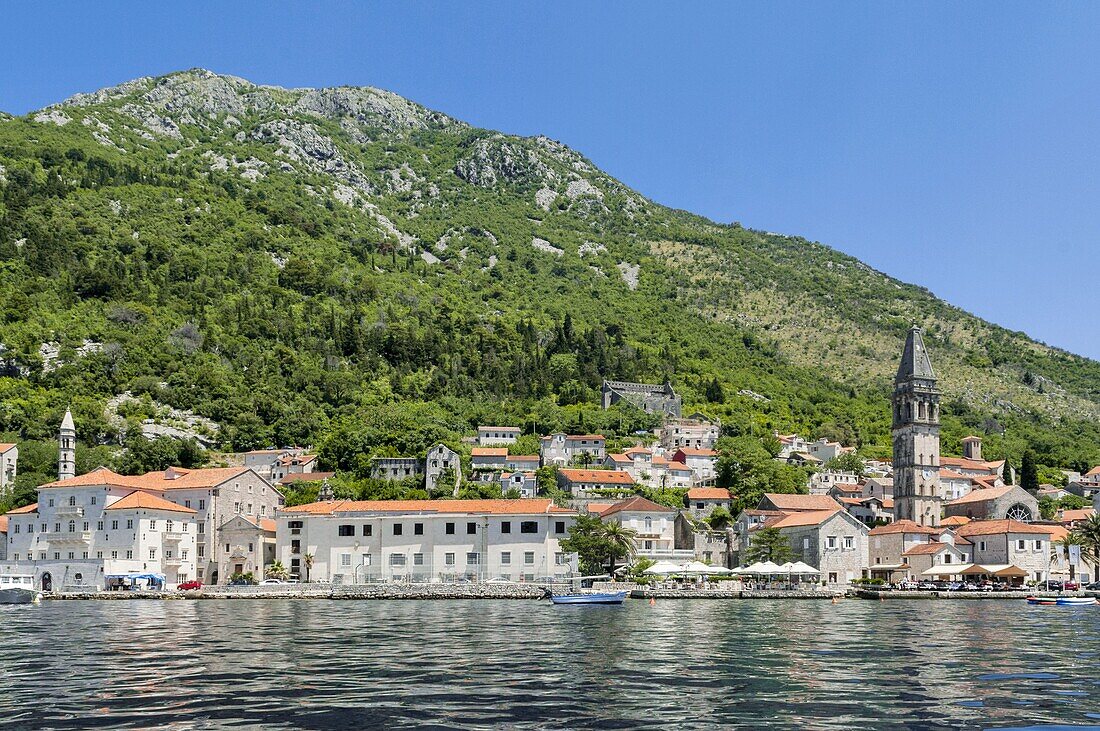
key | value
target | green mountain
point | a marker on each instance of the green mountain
(346, 268)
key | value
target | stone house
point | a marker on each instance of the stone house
(396, 468)
(587, 485)
(492, 436)
(248, 545)
(701, 461)
(525, 482)
(563, 450)
(822, 482)
(696, 432)
(880, 487)
(995, 503)
(832, 541)
(936, 560)
(488, 459)
(442, 460)
(888, 545)
(649, 397)
(292, 464)
(794, 502)
(1002, 544)
(522, 462)
(701, 501)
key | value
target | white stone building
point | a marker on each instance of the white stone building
(424, 540)
(701, 462)
(491, 436)
(563, 450)
(695, 432)
(655, 525)
(442, 460)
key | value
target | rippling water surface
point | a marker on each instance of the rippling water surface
(449, 664)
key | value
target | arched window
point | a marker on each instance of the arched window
(648, 523)
(72, 526)
(72, 500)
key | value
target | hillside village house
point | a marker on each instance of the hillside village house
(822, 482)
(396, 468)
(889, 544)
(424, 540)
(524, 482)
(522, 462)
(870, 511)
(655, 525)
(653, 470)
(268, 463)
(587, 485)
(700, 461)
(1004, 545)
(880, 487)
(702, 501)
(442, 461)
(293, 464)
(563, 450)
(488, 458)
(9, 463)
(696, 432)
(491, 436)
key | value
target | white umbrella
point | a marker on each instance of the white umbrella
(752, 570)
(662, 568)
(698, 567)
(802, 568)
(769, 568)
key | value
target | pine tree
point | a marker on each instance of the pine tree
(1029, 474)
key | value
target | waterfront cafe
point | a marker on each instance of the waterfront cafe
(135, 582)
(1007, 573)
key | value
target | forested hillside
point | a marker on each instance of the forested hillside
(345, 268)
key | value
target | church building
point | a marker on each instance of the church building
(916, 433)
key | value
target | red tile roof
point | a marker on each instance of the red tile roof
(182, 479)
(1072, 515)
(637, 505)
(955, 520)
(602, 477)
(696, 452)
(787, 501)
(708, 493)
(903, 526)
(932, 547)
(523, 506)
(803, 518)
(140, 500)
(993, 527)
(981, 495)
(5, 447)
(32, 508)
(489, 452)
(3, 523)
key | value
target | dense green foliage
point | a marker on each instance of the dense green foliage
(246, 266)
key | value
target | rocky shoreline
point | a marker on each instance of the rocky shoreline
(317, 591)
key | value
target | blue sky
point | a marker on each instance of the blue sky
(952, 145)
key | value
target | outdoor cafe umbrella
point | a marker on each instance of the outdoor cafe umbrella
(802, 569)
(662, 568)
(768, 568)
(700, 568)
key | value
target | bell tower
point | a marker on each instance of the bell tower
(916, 432)
(66, 448)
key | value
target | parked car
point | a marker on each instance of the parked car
(498, 580)
(1071, 586)
(240, 582)
(1094, 586)
(907, 585)
(270, 582)
(190, 585)
(1052, 585)
(926, 586)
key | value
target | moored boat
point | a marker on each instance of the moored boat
(615, 597)
(18, 589)
(1062, 601)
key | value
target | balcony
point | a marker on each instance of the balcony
(64, 537)
(173, 536)
(173, 561)
(69, 511)
(666, 554)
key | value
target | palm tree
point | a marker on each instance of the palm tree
(307, 561)
(1088, 533)
(276, 570)
(620, 541)
(1059, 550)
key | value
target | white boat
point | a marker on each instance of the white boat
(18, 589)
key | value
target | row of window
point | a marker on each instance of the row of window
(186, 503)
(525, 526)
(169, 526)
(472, 559)
(168, 554)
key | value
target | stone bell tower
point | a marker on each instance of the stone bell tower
(916, 431)
(66, 448)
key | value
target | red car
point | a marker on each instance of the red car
(190, 585)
